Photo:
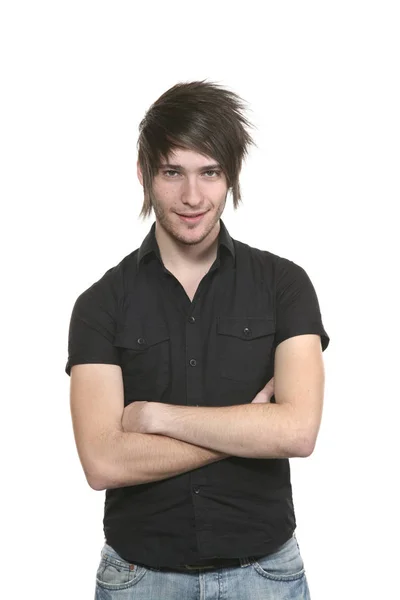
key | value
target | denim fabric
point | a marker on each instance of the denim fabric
(276, 576)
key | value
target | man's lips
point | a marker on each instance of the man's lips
(195, 218)
(190, 216)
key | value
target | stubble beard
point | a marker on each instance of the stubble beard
(166, 222)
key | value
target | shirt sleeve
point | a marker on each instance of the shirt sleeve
(297, 306)
(92, 327)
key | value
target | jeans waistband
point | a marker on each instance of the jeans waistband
(213, 563)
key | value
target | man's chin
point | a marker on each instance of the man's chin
(189, 238)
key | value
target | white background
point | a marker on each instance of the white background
(322, 189)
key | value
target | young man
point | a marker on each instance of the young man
(196, 373)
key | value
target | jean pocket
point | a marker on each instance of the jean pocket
(115, 573)
(286, 564)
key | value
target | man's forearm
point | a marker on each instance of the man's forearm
(247, 430)
(136, 458)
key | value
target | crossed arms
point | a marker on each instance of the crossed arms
(149, 441)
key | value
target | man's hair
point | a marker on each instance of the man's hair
(200, 116)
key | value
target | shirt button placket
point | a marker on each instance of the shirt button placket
(194, 394)
(193, 367)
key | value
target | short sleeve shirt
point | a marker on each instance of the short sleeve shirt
(215, 350)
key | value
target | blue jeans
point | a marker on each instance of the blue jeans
(277, 576)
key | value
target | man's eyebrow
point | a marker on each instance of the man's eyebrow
(180, 168)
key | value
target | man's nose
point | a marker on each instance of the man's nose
(192, 193)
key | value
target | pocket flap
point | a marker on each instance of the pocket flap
(139, 336)
(245, 328)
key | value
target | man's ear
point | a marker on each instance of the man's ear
(139, 172)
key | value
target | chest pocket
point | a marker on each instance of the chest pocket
(144, 350)
(245, 347)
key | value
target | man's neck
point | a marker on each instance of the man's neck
(179, 257)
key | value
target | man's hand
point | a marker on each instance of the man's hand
(137, 417)
(265, 394)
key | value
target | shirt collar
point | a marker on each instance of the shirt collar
(150, 244)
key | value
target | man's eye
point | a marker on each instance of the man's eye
(170, 173)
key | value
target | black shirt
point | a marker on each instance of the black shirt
(217, 350)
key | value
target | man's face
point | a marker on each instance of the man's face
(189, 184)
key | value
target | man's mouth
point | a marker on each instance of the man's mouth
(191, 218)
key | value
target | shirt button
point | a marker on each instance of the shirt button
(247, 331)
(191, 319)
(193, 362)
(141, 341)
